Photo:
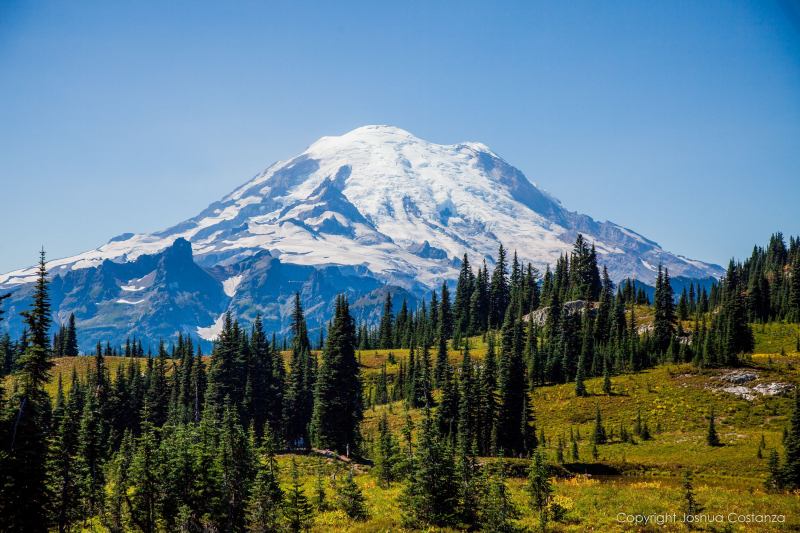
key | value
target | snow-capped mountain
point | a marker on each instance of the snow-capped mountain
(373, 207)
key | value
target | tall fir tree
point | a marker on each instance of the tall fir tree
(338, 407)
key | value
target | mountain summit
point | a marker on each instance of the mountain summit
(373, 207)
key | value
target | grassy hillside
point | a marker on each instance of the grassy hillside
(635, 478)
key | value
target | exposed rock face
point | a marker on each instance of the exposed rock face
(738, 378)
(539, 317)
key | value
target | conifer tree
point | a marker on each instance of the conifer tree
(299, 397)
(70, 342)
(607, 389)
(234, 461)
(266, 496)
(791, 464)
(386, 327)
(63, 478)
(539, 488)
(338, 407)
(499, 291)
(297, 510)
(774, 479)
(691, 505)
(599, 434)
(23, 489)
(712, 438)
(512, 394)
(580, 386)
(431, 496)
(498, 511)
(350, 499)
(386, 454)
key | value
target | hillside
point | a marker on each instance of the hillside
(642, 477)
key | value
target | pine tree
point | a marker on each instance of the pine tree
(266, 496)
(539, 488)
(70, 342)
(499, 290)
(297, 510)
(607, 389)
(791, 464)
(774, 481)
(320, 496)
(431, 496)
(386, 454)
(63, 478)
(143, 481)
(599, 434)
(385, 329)
(350, 499)
(664, 312)
(512, 394)
(338, 407)
(580, 386)
(23, 489)
(712, 438)
(691, 506)
(234, 461)
(497, 511)
(299, 396)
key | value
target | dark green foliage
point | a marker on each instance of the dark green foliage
(712, 438)
(499, 292)
(691, 505)
(297, 510)
(299, 395)
(386, 338)
(539, 488)
(664, 312)
(266, 497)
(599, 434)
(338, 407)
(791, 465)
(24, 493)
(386, 454)
(513, 430)
(431, 496)
(497, 511)
(350, 499)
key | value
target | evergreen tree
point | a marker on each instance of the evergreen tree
(691, 506)
(499, 291)
(599, 434)
(70, 341)
(24, 494)
(299, 398)
(512, 418)
(385, 330)
(431, 496)
(539, 488)
(712, 438)
(664, 313)
(791, 465)
(497, 511)
(338, 407)
(350, 499)
(386, 454)
(297, 510)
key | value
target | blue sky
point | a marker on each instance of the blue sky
(680, 120)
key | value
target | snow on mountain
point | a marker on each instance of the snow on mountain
(377, 194)
(374, 208)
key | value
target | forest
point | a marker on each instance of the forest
(453, 414)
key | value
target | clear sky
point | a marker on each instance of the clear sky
(680, 120)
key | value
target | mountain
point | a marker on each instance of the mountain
(374, 208)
